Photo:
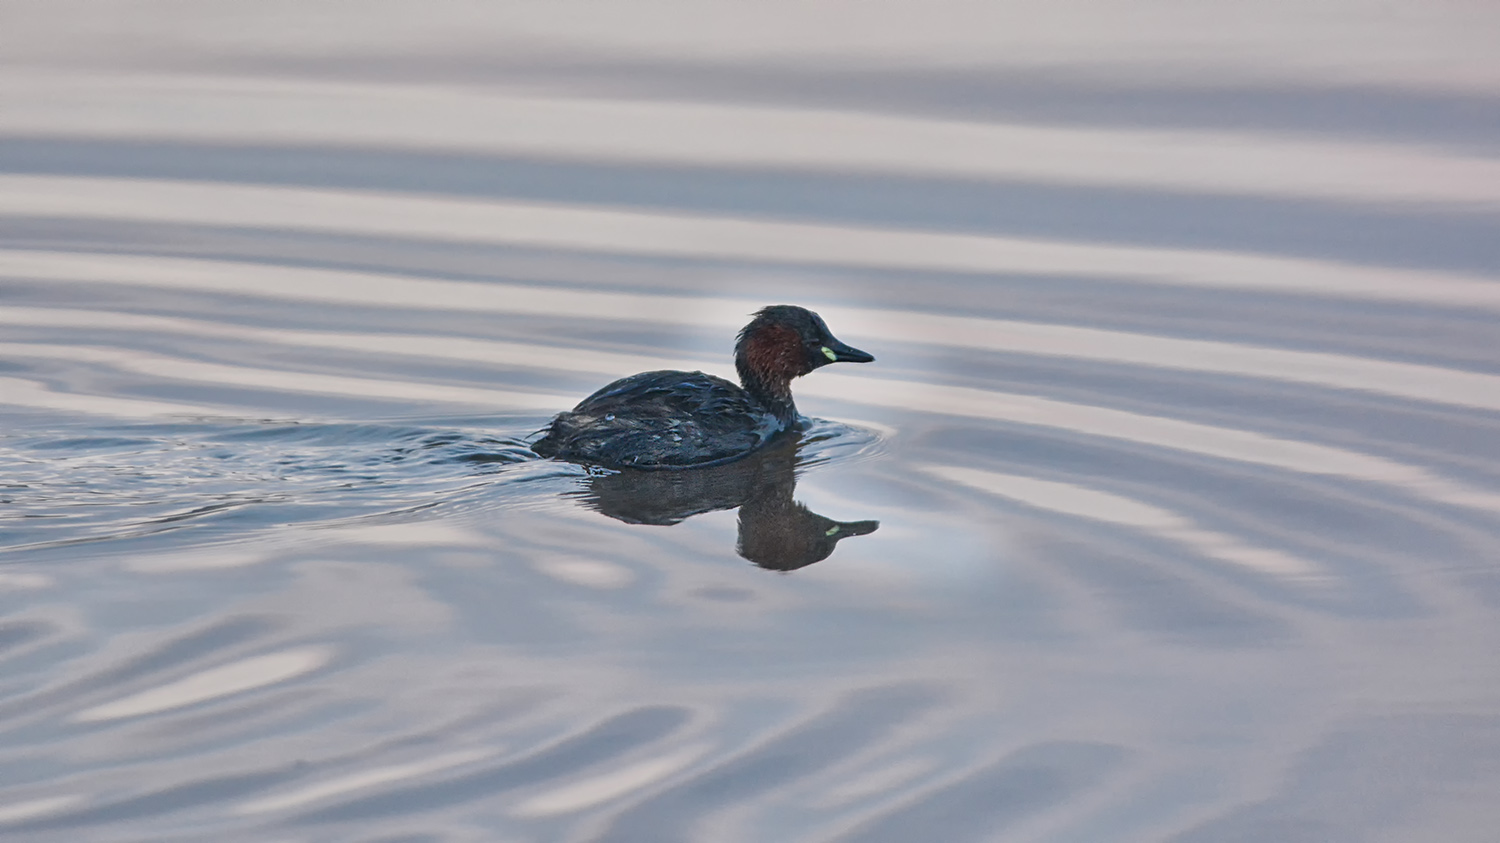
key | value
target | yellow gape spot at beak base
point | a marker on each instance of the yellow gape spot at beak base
(828, 352)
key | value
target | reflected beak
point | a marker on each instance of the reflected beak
(837, 352)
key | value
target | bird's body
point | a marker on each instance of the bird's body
(670, 419)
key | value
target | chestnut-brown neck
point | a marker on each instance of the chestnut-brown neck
(767, 358)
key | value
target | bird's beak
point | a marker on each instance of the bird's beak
(837, 352)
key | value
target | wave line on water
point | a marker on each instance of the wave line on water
(637, 232)
(1412, 381)
(214, 683)
(1158, 431)
(623, 780)
(703, 134)
(23, 392)
(1081, 501)
(1227, 443)
(282, 380)
(363, 780)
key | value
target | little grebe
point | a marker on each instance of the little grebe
(671, 419)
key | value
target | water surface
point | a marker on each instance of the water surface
(1170, 510)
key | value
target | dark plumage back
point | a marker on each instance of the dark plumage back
(661, 419)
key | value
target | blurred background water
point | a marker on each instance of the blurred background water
(1169, 512)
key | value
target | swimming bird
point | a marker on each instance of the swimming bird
(670, 419)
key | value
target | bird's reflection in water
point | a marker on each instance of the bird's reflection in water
(776, 532)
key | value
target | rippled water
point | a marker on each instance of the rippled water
(1170, 510)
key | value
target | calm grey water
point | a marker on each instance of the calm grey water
(1169, 512)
